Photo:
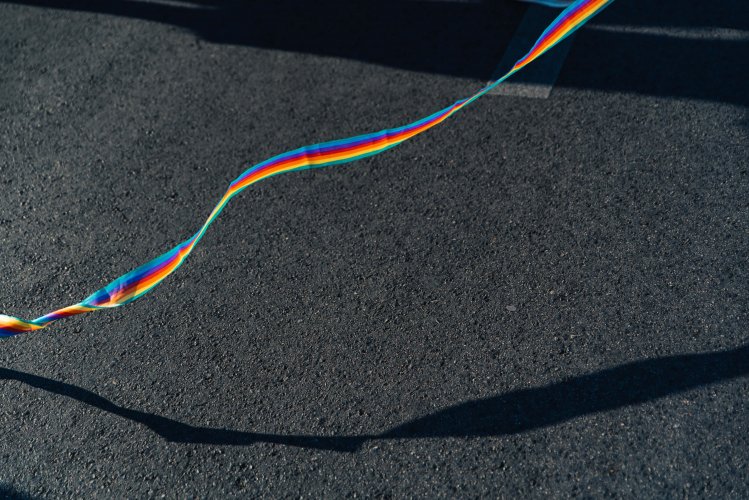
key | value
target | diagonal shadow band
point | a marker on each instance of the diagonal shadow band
(467, 39)
(510, 413)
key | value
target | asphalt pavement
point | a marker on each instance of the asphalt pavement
(539, 298)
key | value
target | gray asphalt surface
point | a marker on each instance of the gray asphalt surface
(541, 298)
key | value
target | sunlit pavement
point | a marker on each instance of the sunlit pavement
(541, 297)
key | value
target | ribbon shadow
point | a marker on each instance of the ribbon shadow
(510, 413)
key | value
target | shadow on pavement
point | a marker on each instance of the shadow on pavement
(9, 492)
(669, 48)
(510, 413)
(461, 39)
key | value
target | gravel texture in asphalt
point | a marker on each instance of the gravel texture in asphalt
(539, 298)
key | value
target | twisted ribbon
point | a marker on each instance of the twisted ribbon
(137, 282)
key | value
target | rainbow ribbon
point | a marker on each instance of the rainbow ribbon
(134, 284)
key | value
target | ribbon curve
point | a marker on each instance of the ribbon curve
(139, 281)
